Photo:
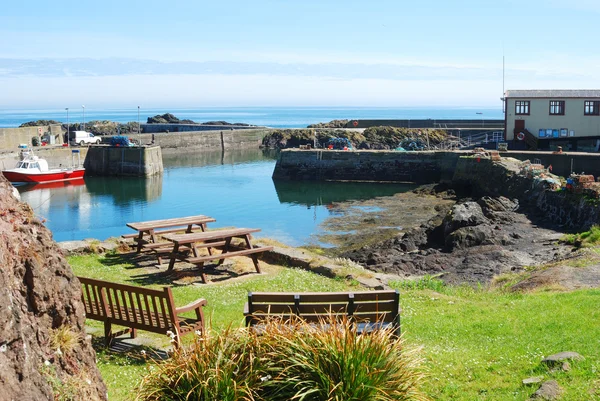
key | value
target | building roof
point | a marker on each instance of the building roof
(554, 93)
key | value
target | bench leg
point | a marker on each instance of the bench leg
(107, 333)
(173, 257)
(202, 274)
(225, 250)
(253, 256)
(133, 333)
(140, 242)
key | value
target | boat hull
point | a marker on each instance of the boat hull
(48, 176)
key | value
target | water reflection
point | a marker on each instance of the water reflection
(194, 158)
(310, 193)
(124, 190)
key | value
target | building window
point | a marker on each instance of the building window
(557, 107)
(591, 108)
(522, 107)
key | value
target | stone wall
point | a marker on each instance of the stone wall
(158, 128)
(124, 161)
(418, 167)
(432, 166)
(222, 139)
(10, 138)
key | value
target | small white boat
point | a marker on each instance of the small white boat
(33, 169)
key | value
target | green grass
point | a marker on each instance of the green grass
(478, 344)
(586, 238)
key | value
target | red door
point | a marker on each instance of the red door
(519, 126)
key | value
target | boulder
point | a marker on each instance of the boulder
(548, 391)
(558, 359)
(467, 237)
(465, 214)
(44, 352)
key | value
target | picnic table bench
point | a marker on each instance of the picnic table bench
(370, 310)
(212, 240)
(148, 231)
(139, 308)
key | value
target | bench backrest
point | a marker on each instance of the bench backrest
(135, 307)
(364, 306)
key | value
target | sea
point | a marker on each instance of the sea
(234, 187)
(276, 117)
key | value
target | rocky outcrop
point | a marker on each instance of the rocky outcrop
(563, 208)
(167, 118)
(471, 242)
(44, 352)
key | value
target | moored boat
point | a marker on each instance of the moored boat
(33, 169)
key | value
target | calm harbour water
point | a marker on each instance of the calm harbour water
(233, 187)
(277, 117)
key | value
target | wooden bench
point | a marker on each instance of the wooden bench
(139, 308)
(370, 310)
(212, 240)
(148, 231)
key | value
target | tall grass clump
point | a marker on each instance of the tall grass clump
(331, 361)
(219, 366)
(290, 360)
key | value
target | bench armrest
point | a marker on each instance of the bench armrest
(191, 306)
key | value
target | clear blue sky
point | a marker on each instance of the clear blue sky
(292, 53)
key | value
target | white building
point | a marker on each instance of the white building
(545, 119)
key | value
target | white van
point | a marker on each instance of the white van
(83, 137)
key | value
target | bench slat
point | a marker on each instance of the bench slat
(207, 258)
(209, 235)
(374, 307)
(178, 221)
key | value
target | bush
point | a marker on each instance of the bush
(589, 238)
(289, 360)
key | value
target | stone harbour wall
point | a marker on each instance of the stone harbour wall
(365, 165)
(123, 161)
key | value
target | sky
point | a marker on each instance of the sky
(292, 53)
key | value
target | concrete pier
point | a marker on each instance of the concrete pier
(418, 167)
(139, 161)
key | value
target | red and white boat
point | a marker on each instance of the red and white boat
(33, 169)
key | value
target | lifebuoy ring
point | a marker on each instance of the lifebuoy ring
(355, 123)
(520, 136)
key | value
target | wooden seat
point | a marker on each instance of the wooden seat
(139, 308)
(370, 310)
(221, 256)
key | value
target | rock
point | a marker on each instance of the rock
(40, 294)
(71, 247)
(533, 380)
(467, 237)
(87, 246)
(558, 359)
(497, 204)
(548, 391)
(466, 214)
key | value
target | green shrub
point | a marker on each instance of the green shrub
(426, 282)
(591, 237)
(289, 360)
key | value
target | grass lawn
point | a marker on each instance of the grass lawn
(478, 344)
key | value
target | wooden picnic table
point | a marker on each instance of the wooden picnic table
(211, 240)
(150, 229)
